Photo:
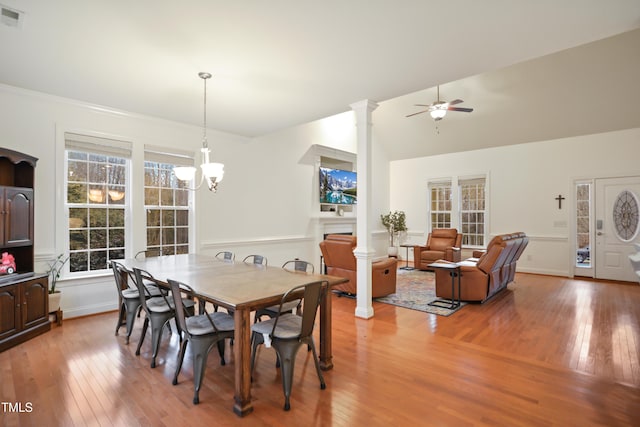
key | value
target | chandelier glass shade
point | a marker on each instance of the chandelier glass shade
(212, 173)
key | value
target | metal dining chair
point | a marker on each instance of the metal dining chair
(129, 298)
(226, 256)
(291, 306)
(159, 310)
(203, 332)
(287, 332)
(255, 259)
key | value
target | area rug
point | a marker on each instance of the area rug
(415, 289)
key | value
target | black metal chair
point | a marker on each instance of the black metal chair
(299, 265)
(149, 253)
(159, 310)
(291, 306)
(226, 256)
(287, 332)
(255, 259)
(128, 297)
(203, 332)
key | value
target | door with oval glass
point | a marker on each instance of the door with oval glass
(617, 211)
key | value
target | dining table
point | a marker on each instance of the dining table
(240, 288)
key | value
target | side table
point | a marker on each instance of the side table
(406, 260)
(454, 271)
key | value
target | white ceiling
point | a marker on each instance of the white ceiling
(282, 63)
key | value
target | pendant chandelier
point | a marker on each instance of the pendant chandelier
(212, 173)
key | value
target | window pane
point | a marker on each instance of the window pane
(78, 261)
(153, 217)
(78, 217)
(78, 240)
(76, 193)
(167, 205)
(153, 236)
(472, 213)
(116, 237)
(98, 260)
(182, 218)
(94, 183)
(97, 217)
(168, 218)
(116, 217)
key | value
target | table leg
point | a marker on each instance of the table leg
(326, 356)
(242, 349)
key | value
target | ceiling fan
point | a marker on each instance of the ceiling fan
(439, 109)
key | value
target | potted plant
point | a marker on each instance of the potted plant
(55, 268)
(395, 222)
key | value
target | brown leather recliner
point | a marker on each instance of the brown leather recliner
(442, 243)
(484, 277)
(337, 251)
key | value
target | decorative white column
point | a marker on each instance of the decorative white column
(364, 252)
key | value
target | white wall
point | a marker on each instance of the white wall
(523, 181)
(267, 202)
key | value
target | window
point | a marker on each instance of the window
(472, 204)
(96, 188)
(461, 204)
(583, 220)
(166, 202)
(440, 205)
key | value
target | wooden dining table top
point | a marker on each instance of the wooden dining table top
(230, 284)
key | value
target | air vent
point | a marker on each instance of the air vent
(11, 17)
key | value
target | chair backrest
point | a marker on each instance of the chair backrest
(177, 300)
(299, 265)
(226, 255)
(119, 273)
(149, 253)
(139, 277)
(337, 251)
(442, 238)
(310, 302)
(255, 259)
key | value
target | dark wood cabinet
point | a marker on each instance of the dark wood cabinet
(24, 310)
(17, 216)
(24, 299)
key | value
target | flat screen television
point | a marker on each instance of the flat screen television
(338, 186)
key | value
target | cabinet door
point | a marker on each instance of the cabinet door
(3, 214)
(18, 216)
(10, 320)
(35, 302)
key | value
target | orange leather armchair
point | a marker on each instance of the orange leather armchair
(337, 251)
(442, 243)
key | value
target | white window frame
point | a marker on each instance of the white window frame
(92, 142)
(167, 156)
(473, 181)
(440, 184)
(454, 183)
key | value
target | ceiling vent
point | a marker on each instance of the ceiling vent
(11, 17)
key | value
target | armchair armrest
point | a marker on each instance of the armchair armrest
(454, 254)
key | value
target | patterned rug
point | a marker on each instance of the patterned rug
(415, 289)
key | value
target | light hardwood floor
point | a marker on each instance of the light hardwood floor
(548, 351)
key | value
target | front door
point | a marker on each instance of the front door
(617, 207)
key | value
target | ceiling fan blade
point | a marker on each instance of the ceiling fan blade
(455, 101)
(422, 105)
(464, 110)
(419, 112)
